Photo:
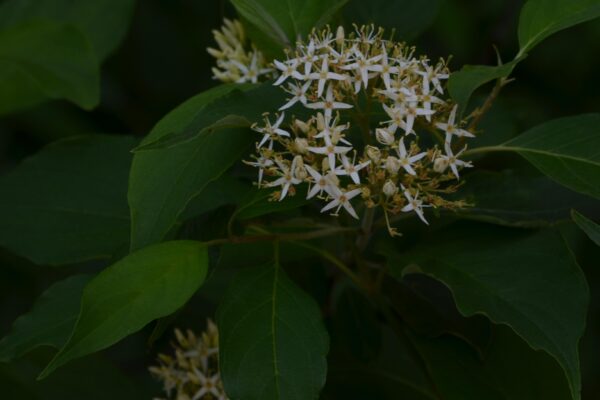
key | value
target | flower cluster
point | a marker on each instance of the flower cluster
(349, 85)
(235, 62)
(193, 373)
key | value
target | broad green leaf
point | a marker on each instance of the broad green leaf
(286, 21)
(46, 60)
(518, 198)
(541, 18)
(510, 370)
(408, 18)
(565, 149)
(259, 202)
(239, 108)
(122, 299)
(104, 22)
(463, 83)
(590, 228)
(492, 271)
(68, 202)
(223, 191)
(272, 341)
(163, 181)
(50, 321)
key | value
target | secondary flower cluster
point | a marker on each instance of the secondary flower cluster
(193, 373)
(236, 61)
(375, 83)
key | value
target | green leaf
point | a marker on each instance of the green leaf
(286, 21)
(162, 182)
(258, 202)
(46, 60)
(541, 18)
(565, 149)
(272, 341)
(590, 228)
(50, 321)
(68, 202)
(122, 299)
(240, 107)
(510, 370)
(224, 191)
(408, 18)
(528, 281)
(518, 198)
(463, 83)
(104, 22)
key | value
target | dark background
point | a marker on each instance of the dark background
(162, 62)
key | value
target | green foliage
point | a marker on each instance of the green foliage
(487, 302)
(541, 18)
(164, 181)
(273, 343)
(588, 226)
(68, 202)
(122, 299)
(52, 49)
(565, 149)
(492, 271)
(50, 321)
(285, 21)
(45, 59)
(408, 18)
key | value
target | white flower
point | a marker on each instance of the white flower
(261, 163)
(208, 384)
(414, 204)
(328, 105)
(331, 134)
(323, 183)
(384, 68)
(363, 65)
(348, 168)
(405, 160)
(323, 75)
(271, 130)
(299, 95)
(330, 150)
(250, 72)
(412, 111)
(450, 128)
(427, 99)
(453, 161)
(342, 199)
(396, 114)
(289, 68)
(433, 75)
(287, 178)
(309, 56)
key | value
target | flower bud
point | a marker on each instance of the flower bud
(384, 136)
(301, 145)
(320, 122)
(303, 126)
(299, 170)
(440, 165)
(392, 165)
(390, 188)
(373, 153)
(339, 37)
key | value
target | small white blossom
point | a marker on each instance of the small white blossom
(452, 160)
(323, 75)
(450, 128)
(329, 104)
(342, 199)
(405, 160)
(272, 130)
(287, 178)
(348, 168)
(298, 95)
(414, 204)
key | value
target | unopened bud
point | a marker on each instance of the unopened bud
(440, 165)
(339, 37)
(390, 188)
(392, 165)
(373, 153)
(320, 122)
(301, 145)
(303, 126)
(384, 136)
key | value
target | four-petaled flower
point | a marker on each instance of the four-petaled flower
(286, 179)
(452, 159)
(342, 199)
(323, 75)
(450, 128)
(348, 168)
(414, 204)
(271, 130)
(406, 160)
(328, 105)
